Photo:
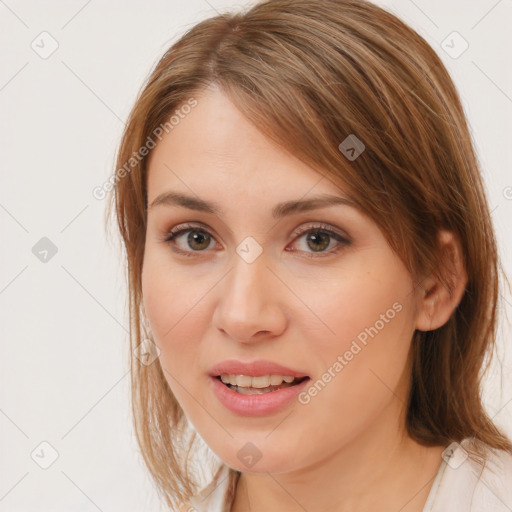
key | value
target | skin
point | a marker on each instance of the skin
(346, 449)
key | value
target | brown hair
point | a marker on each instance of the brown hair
(308, 73)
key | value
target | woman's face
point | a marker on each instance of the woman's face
(316, 290)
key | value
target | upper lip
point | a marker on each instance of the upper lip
(256, 368)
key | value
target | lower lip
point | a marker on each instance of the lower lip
(256, 405)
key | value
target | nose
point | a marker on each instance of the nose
(250, 304)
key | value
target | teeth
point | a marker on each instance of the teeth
(246, 381)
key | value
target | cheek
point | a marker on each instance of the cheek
(170, 314)
(362, 352)
(171, 296)
(369, 300)
(172, 305)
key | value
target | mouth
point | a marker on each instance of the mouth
(245, 385)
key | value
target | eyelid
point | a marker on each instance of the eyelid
(321, 226)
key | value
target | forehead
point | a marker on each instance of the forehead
(214, 149)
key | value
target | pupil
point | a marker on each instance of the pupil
(316, 237)
(197, 236)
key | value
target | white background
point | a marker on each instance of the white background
(64, 345)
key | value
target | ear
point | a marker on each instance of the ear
(438, 296)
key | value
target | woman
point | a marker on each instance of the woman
(312, 269)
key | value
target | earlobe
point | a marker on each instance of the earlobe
(440, 293)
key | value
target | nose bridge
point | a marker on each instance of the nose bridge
(243, 293)
(249, 303)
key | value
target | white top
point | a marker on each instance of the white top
(461, 484)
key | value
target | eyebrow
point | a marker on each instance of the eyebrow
(279, 211)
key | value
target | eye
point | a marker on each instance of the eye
(318, 238)
(198, 239)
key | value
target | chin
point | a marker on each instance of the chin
(249, 459)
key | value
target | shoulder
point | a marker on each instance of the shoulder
(475, 484)
(494, 488)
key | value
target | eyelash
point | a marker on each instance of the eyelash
(318, 228)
